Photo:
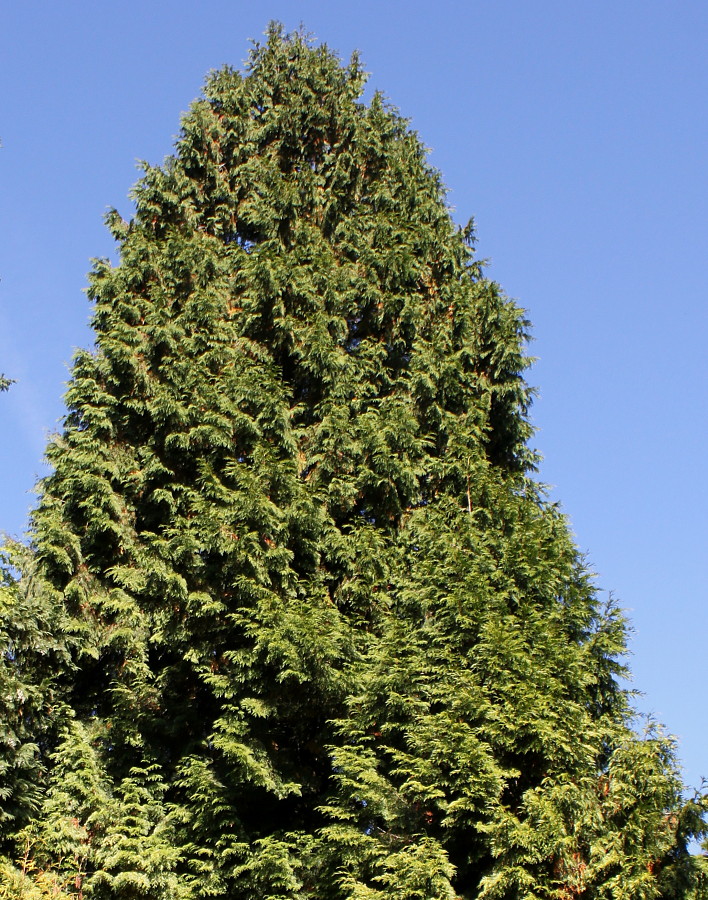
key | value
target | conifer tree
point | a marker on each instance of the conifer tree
(326, 637)
(34, 654)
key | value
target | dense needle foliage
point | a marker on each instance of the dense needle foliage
(297, 622)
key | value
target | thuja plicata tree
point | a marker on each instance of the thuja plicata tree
(296, 620)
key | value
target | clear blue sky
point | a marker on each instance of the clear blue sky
(575, 132)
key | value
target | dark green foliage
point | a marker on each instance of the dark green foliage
(34, 658)
(328, 639)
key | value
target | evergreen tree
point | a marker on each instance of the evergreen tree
(33, 656)
(327, 637)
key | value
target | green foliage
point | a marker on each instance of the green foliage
(33, 659)
(322, 634)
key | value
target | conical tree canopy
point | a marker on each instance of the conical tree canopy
(323, 636)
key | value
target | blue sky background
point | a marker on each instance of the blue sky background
(575, 132)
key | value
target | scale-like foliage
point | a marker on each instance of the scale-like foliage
(33, 659)
(329, 639)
